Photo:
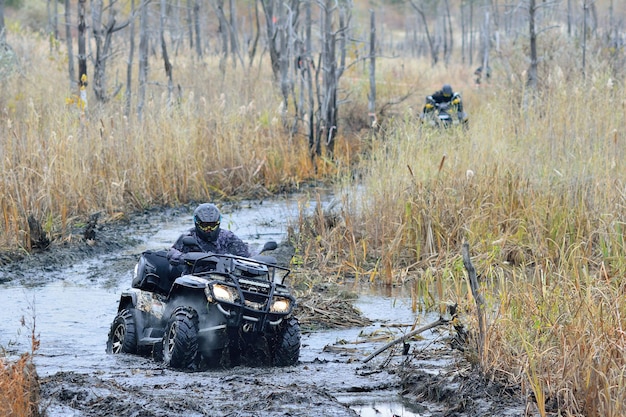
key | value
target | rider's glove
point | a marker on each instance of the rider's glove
(456, 101)
(428, 106)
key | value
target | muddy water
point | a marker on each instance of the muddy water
(72, 315)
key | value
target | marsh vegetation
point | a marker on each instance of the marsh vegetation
(536, 186)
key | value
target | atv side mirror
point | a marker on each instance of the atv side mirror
(271, 245)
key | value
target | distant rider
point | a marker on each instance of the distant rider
(208, 236)
(445, 95)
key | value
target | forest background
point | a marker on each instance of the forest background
(112, 107)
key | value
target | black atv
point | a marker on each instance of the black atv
(215, 310)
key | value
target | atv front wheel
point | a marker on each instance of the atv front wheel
(180, 341)
(287, 348)
(123, 334)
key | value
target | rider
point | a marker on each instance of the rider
(445, 95)
(208, 236)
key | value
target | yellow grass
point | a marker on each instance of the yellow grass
(536, 186)
(19, 383)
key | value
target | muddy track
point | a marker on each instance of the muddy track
(430, 380)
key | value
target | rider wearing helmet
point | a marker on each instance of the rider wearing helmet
(445, 95)
(208, 236)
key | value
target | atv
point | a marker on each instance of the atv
(213, 310)
(444, 115)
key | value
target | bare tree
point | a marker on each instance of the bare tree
(584, 42)
(82, 55)
(3, 38)
(532, 35)
(103, 33)
(449, 45)
(306, 65)
(434, 49)
(223, 32)
(129, 66)
(371, 105)
(143, 57)
(332, 68)
(166, 59)
(196, 24)
(70, 47)
(232, 30)
(255, 42)
(277, 20)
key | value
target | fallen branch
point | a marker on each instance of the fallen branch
(406, 336)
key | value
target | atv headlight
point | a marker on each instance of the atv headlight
(280, 305)
(223, 293)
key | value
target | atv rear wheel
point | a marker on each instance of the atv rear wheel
(180, 341)
(123, 334)
(287, 348)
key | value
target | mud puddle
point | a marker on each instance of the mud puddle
(73, 309)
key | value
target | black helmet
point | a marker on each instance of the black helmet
(207, 218)
(447, 90)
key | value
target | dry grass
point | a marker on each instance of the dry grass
(536, 186)
(537, 189)
(19, 384)
(223, 138)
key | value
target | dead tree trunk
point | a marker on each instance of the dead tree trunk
(450, 37)
(486, 45)
(532, 33)
(196, 24)
(129, 64)
(308, 75)
(284, 59)
(166, 60)
(434, 52)
(69, 45)
(255, 42)
(223, 32)
(103, 34)
(569, 18)
(463, 34)
(232, 30)
(82, 56)
(332, 67)
(3, 38)
(584, 42)
(371, 104)
(190, 11)
(143, 57)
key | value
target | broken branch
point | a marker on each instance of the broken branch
(406, 336)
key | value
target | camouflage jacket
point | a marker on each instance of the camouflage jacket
(227, 242)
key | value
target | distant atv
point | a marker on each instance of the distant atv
(444, 115)
(216, 310)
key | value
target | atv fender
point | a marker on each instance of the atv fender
(128, 300)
